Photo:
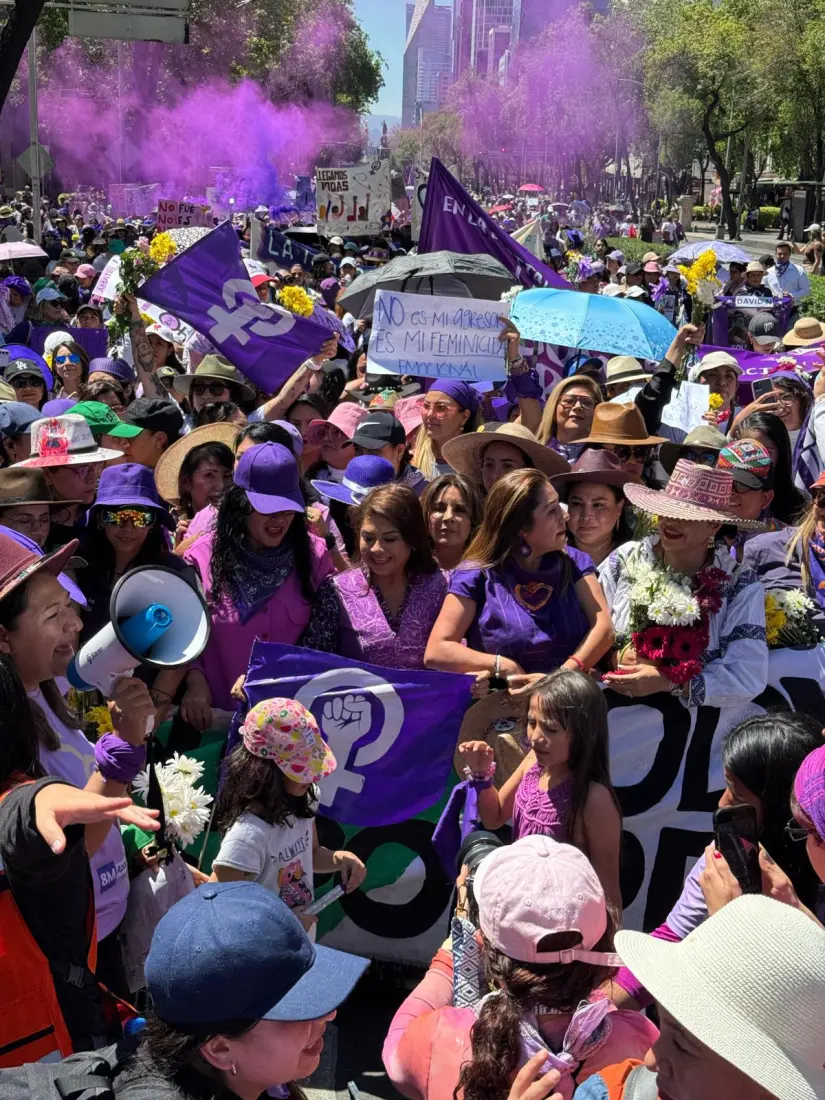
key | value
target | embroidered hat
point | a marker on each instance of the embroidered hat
(536, 887)
(362, 475)
(696, 493)
(285, 732)
(748, 463)
(65, 441)
(809, 788)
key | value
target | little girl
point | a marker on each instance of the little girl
(562, 788)
(267, 805)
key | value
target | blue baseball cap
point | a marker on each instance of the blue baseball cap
(234, 951)
(269, 473)
(16, 418)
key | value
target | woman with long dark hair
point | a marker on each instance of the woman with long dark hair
(195, 471)
(452, 508)
(260, 568)
(597, 514)
(760, 758)
(769, 430)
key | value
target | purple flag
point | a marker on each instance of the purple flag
(454, 221)
(393, 732)
(93, 340)
(756, 364)
(283, 250)
(208, 286)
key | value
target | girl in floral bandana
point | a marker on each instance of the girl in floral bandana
(268, 804)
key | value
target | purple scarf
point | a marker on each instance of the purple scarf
(816, 560)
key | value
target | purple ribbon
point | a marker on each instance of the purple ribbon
(117, 759)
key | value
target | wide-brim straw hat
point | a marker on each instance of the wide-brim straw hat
(213, 368)
(465, 453)
(167, 471)
(705, 437)
(807, 330)
(749, 983)
(593, 467)
(696, 493)
(620, 424)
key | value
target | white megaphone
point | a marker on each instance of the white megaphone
(157, 619)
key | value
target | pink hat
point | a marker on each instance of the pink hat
(346, 417)
(536, 887)
(653, 266)
(85, 271)
(409, 411)
(285, 732)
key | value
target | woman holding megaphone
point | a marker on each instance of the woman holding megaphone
(39, 627)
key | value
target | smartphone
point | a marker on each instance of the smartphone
(737, 838)
(761, 386)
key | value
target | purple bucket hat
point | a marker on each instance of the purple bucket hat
(118, 368)
(362, 475)
(130, 484)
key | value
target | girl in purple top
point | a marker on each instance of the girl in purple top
(524, 605)
(562, 788)
(383, 610)
(760, 756)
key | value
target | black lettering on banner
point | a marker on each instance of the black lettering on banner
(631, 867)
(652, 788)
(695, 794)
(805, 695)
(676, 847)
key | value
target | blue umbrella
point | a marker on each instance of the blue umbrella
(576, 320)
(725, 253)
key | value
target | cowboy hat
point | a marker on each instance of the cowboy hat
(620, 425)
(19, 487)
(594, 467)
(465, 453)
(213, 367)
(696, 493)
(167, 471)
(703, 438)
(17, 563)
(807, 330)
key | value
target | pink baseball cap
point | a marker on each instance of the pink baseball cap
(346, 417)
(409, 411)
(285, 732)
(536, 887)
(86, 271)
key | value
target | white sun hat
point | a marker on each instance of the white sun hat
(750, 984)
(65, 441)
(712, 361)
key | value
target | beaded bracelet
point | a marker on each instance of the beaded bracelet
(480, 781)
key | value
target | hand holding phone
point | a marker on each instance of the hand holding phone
(737, 838)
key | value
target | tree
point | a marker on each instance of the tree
(14, 37)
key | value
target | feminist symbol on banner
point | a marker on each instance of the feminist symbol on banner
(355, 703)
(263, 320)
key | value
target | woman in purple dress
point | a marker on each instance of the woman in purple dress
(524, 605)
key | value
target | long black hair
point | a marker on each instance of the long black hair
(18, 737)
(252, 781)
(764, 753)
(99, 553)
(202, 453)
(230, 537)
(788, 501)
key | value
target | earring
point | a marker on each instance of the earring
(233, 1070)
(524, 549)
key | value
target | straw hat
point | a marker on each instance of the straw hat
(213, 368)
(807, 330)
(594, 467)
(625, 368)
(465, 453)
(620, 424)
(696, 493)
(750, 984)
(167, 471)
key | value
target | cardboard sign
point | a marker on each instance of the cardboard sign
(435, 337)
(353, 202)
(175, 215)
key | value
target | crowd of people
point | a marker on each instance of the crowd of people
(551, 543)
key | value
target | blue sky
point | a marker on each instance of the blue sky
(385, 22)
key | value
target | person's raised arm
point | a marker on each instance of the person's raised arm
(658, 390)
(142, 354)
(298, 383)
(521, 379)
(495, 807)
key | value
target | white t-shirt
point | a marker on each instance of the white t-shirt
(279, 856)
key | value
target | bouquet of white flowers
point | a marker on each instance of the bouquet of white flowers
(788, 620)
(186, 806)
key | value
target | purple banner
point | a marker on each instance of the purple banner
(280, 249)
(94, 341)
(208, 286)
(393, 732)
(454, 221)
(756, 365)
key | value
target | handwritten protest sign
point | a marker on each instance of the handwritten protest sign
(435, 337)
(175, 215)
(353, 201)
(106, 286)
(685, 408)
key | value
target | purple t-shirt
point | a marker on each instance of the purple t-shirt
(529, 617)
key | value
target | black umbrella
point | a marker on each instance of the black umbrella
(441, 273)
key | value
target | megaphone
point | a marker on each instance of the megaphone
(157, 618)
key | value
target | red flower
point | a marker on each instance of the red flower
(686, 644)
(710, 601)
(652, 642)
(682, 672)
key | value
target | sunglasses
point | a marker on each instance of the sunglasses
(625, 454)
(701, 458)
(587, 403)
(140, 518)
(62, 360)
(214, 389)
(25, 381)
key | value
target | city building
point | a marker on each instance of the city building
(531, 17)
(498, 39)
(487, 14)
(427, 55)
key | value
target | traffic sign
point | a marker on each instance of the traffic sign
(26, 160)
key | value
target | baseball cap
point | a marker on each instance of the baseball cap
(379, 429)
(257, 280)
(86, 271)
(633, 268)
(337, 240)
(285, 732)
(16, 418)
(348, 262)
(749, 464)
(18, 367)
(156, 415)
(269, 473)
(103, 420)
(536, 887)
(762, 327)
(234, 951)
(616, 255)
(50, 294)
(93, 306)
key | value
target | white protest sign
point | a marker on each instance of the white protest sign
(690, 401)
(752, 301)
(352, 201)
(106, 285)
(435, 337)
(176, 215)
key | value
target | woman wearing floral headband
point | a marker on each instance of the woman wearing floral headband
(689, 620)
